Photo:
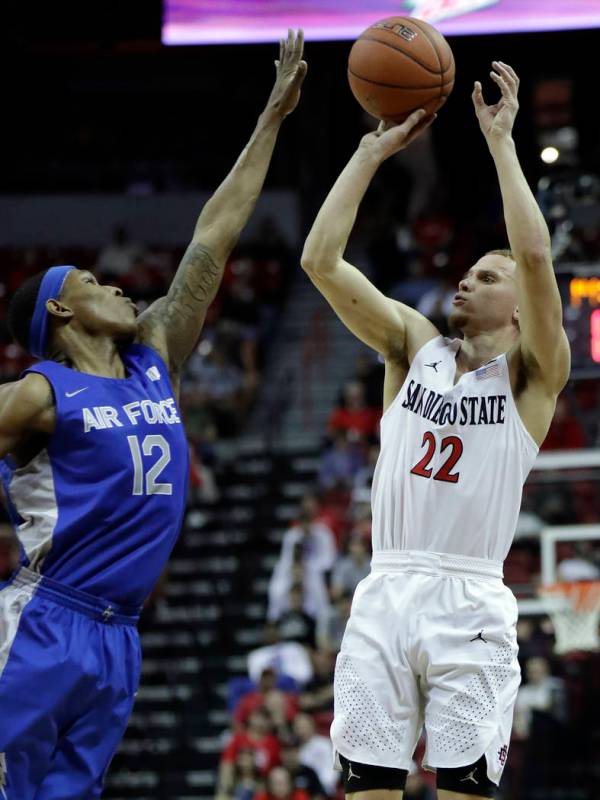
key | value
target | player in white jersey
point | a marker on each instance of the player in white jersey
(431, 639)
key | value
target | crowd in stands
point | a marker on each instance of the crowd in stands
(278, 746)
(325, 554)
(221, 380)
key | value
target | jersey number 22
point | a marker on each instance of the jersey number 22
(444, 473)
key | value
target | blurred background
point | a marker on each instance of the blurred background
(111, 143)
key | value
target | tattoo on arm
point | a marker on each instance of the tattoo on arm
(194, 286)
(183, 310)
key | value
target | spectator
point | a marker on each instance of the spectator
(566, 433)
(541, 695)
(540, 716)
(341, 462)
(364, 477)
(246, 776)
(294, 624)
(215, 382)
(241, 306)
(267, 686)
(203, 486)
(308, 553)
(354, 416)
(351, 568)
(533, 639)
(116, 259)
(303, 777)
(281, 787)
(436, 304)
(316, 697)
(370, 372)
(285, 658)
(258, 739)
(332, 625)
(316, 751)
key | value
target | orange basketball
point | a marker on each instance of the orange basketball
(400, 64)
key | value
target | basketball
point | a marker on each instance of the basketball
(400, 64)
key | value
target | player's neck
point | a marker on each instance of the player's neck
(479, 348)
(91, 355)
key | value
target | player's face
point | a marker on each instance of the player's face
(99, 309)
(487, 296)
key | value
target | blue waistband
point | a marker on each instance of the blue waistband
(95, 607)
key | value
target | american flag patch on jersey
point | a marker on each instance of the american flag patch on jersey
(490, 370)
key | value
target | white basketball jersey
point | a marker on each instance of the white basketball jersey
(453, 459)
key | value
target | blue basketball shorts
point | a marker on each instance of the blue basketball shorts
(69, 671)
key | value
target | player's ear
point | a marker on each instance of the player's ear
(515, 316)
(58, 309)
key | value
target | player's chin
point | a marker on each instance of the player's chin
(457, 319)
(126, 331)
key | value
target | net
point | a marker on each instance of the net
(574, 607)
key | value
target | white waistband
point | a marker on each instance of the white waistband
(434, 563)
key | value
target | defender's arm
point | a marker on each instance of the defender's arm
(393, 329)
(544, 344)
(173, 323)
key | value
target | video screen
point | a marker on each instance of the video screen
(229, 21)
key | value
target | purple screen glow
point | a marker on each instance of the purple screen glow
(228, 21)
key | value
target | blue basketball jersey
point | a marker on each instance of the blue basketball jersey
(99, 509)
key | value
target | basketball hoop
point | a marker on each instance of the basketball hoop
(574, 607)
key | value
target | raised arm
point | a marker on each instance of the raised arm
(393, 329)
(173, 323)
(543, 342)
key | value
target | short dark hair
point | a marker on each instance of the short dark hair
(21, 308)
(506, 253)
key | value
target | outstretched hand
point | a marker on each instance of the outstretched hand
(291, 70)
(390, 138)
(497, 121)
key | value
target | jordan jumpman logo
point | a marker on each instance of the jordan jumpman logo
(470, 776)
(351, 773)
(479, 636)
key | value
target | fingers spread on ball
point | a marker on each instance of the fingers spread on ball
(414, 118)
(421, 126)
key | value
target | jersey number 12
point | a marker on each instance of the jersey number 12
(444, 473)
(149, 444)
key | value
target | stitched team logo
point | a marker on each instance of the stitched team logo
(503, 754)
(3, 776)
(435, 10)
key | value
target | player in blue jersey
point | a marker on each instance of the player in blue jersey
(95, 474)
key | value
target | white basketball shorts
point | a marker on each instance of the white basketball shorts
(431, 640)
